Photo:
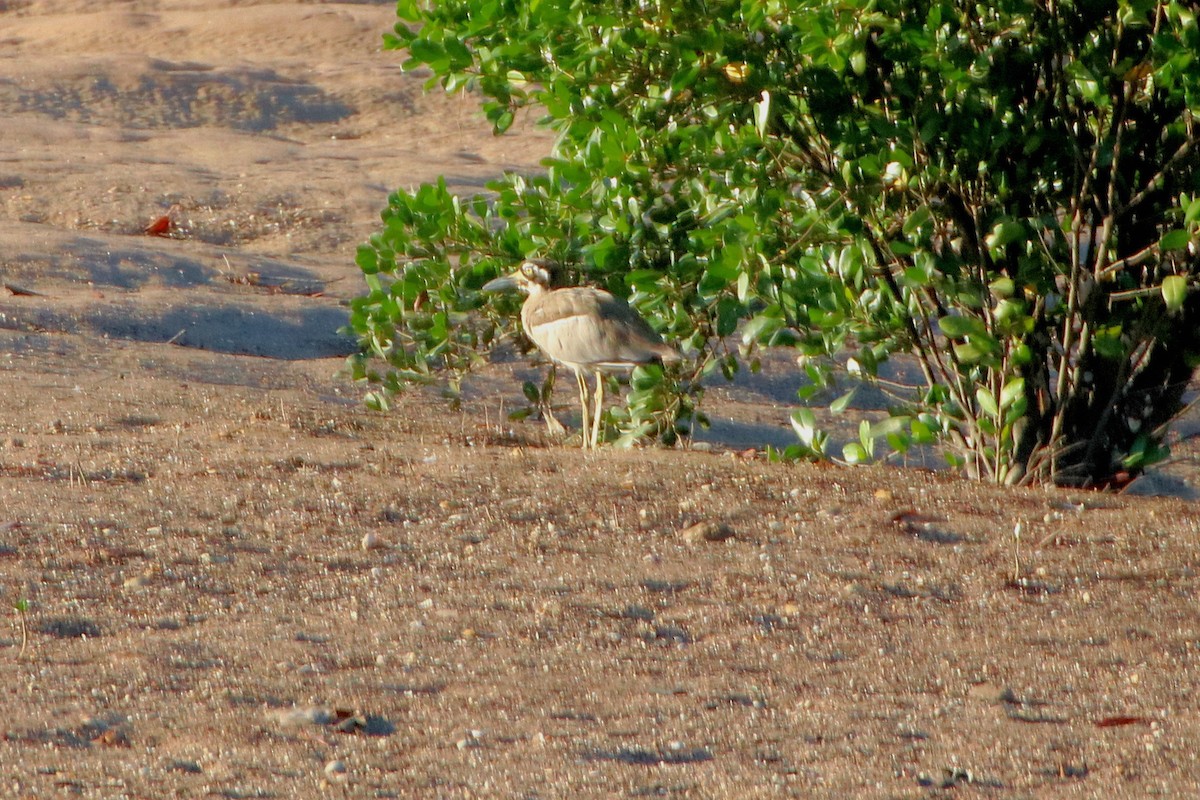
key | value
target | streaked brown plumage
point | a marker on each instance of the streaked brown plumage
(586, 330)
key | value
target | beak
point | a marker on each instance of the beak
(501, 284)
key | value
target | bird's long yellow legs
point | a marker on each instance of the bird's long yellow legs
(592, 404)
(584, 402)
(598, 400)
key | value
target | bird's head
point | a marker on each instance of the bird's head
(534, 275)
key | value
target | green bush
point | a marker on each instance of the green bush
(1003, 190)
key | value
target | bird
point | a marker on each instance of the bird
(586, 330)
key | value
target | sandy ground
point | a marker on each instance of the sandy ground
(240, 583)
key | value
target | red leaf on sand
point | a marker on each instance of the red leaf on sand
(1116, 722)
(160, 227)
(164, 225)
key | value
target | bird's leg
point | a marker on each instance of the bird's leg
(584, 402)
(598, 399)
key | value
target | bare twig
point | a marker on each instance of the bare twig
(22, 607)
(21, 291)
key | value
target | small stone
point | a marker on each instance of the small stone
(112, 737)
(472, 739)
(373, 541)
(707, 531)
(137, 582)
(335, 771)
(987, 692)
(296, 717)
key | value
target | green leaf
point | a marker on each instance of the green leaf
(1108, 341)
(839, 405)
(1174, 292)
(976, 351)
(502, 122)
(987, 402)
(1012, 391)
(426, 51)
(854, 453)
(889, 425)
(960, 326)
(1175, 240)
(916, 219)
(1005, 233)
(1192, 214)
(922, 433)
(804, 423)
(407, 10)
(760, 327)
(858, 62)
(1003, 288)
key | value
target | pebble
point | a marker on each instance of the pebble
(297, 717)
(137, 582)
(707, 531)
(373, 541)
(472, 739)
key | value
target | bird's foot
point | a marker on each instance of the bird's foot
(553, 427)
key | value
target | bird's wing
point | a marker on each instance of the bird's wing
(589, 327)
